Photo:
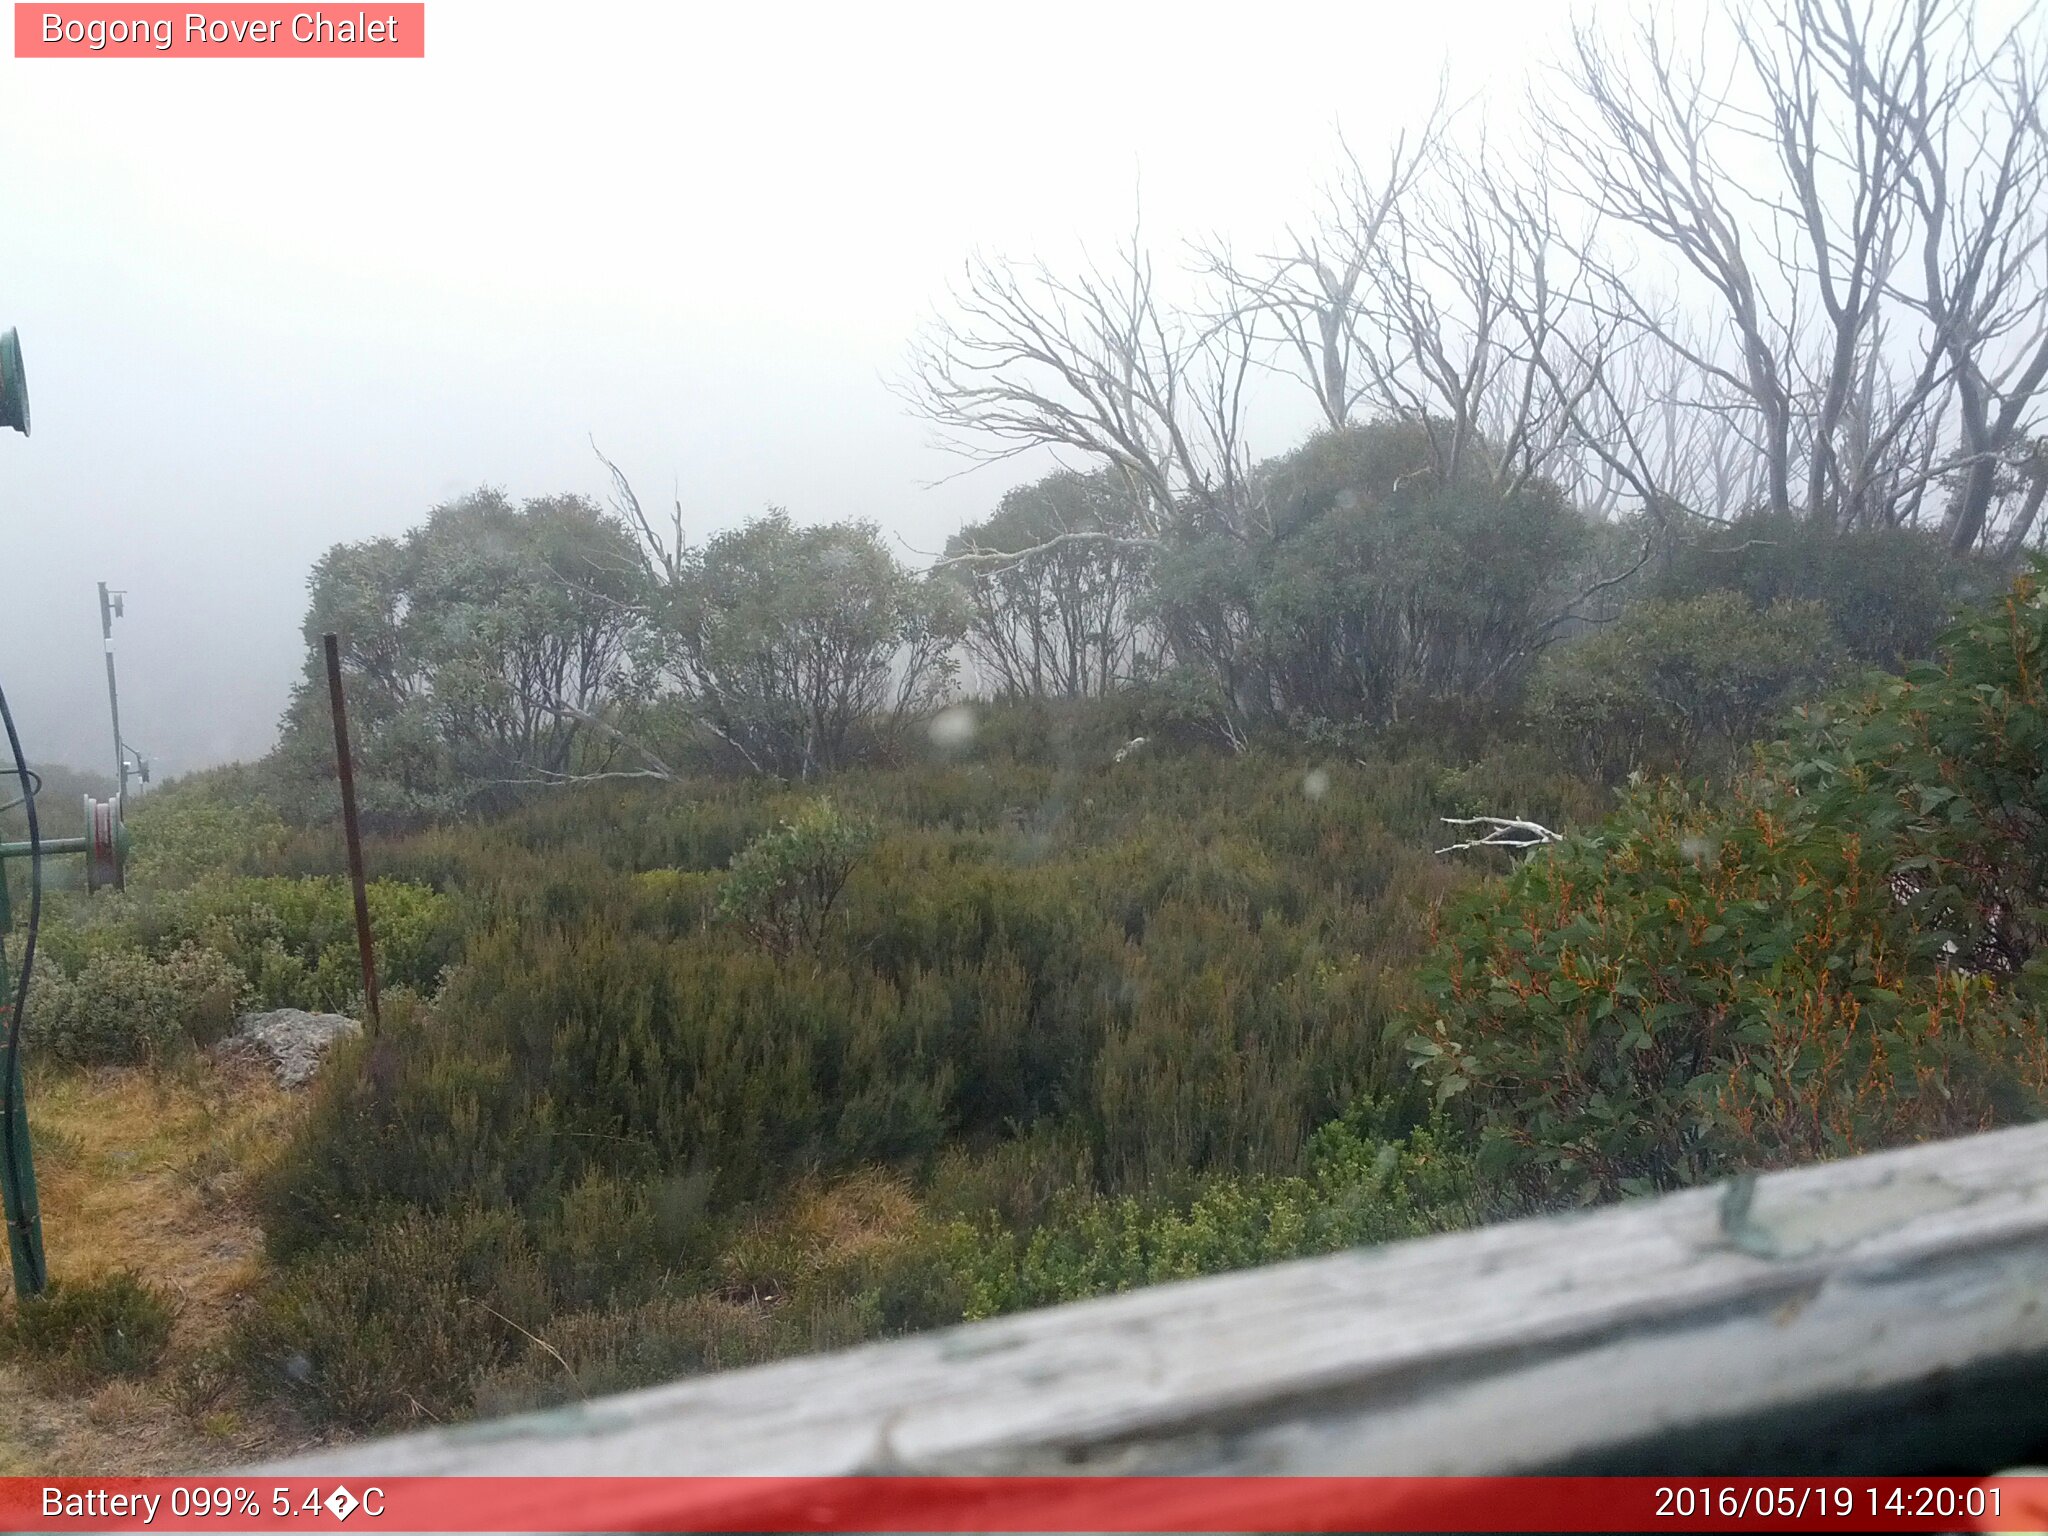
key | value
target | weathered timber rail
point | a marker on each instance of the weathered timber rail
(1880, 1314)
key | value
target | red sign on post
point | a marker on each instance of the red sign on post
(226, 31)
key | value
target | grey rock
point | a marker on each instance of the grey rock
(294, 1040)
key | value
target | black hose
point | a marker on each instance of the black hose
(11, 1065)
(34, 789)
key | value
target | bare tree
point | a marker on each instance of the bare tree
(1492, 344)
(1976, 166)
(1315, 296)
(1641, 131)
(663, 551)
(1098, 365)
(1853, 189)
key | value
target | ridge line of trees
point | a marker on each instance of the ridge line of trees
(1785, 286)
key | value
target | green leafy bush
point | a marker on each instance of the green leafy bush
(124, 1006)
(798, 646)
(296, 939)
(1683, 684)
(1380, 578)
(1185, 965)
(1358, 1189)
(1889, 593)
(90, 1330)
(1944, 773)
(782, 887)
(1840, 955)
(457, 641)
(198, 827)
(292, 939)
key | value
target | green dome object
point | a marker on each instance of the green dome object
(13, 384)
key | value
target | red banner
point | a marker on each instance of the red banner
(225, 31)
(254, 1503)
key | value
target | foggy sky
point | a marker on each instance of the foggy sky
(269, 305)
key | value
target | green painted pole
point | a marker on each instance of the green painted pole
(49, 845)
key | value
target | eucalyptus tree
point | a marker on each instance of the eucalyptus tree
(477, 649)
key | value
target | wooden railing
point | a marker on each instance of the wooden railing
(1879, 1314)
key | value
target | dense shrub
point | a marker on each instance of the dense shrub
(460, 645)
(1944, 772)
(294, 939)
(1681, 684)
(89, 1330)
(204, 826)
(1888, 593)
(1376, 583)
(1190, 963)
(1840, 956)
(782, 886)
(582, 1049)
(593, 1353)
(1062, 622)
(798, 646)
(1357, 1189)
(124, 1006)
(401, 1324)
(826, 1265)
(1085, 995)
(1080, 1023)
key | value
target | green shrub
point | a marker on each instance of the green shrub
(89, 1330)
(296, 939)
(1358, 1189)
(1843, 954)
(400, 1325)
(125, 1007)
(206, 825)
(1945, 771)
(1046, 988)
(782, 887)
(293, 939)
(1681, 685)
(675, 901)
(1181, 966)
(609, 1238)
(1889, 593)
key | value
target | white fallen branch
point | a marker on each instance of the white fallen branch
(1507, 832)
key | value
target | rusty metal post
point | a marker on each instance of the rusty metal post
(349, 828)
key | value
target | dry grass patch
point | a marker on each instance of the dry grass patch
(148, 1172)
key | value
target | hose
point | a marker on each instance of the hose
(34, 789)
(10, 1066)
